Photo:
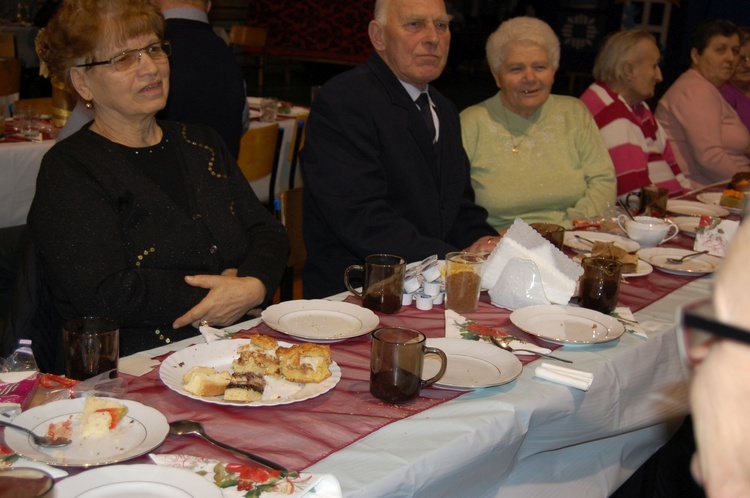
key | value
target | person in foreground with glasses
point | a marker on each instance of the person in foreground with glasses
(716, 342)
(145, 221)
(737, 91)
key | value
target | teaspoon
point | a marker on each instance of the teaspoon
(43, 441)
(185, 427)
(506, 346)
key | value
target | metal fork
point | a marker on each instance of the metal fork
(677, 261)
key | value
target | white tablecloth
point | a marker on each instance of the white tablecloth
(531, 438)
(19, 165)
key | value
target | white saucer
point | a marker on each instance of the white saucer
(582, 246)
(699, 265)
(687, 224)
(471, 364)
(567, 324)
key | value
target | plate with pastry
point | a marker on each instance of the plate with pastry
(102, 430)
(254, 372)
(583, 241)
(695, 208)
(731, 200)
(320, 320)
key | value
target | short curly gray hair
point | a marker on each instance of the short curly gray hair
(521, 29)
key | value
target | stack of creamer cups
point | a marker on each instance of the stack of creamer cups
(424, 284)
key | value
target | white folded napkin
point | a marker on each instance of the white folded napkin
(565, 376)
(212, 334)
(559, 274)
(629, 321)
(458, 326)
(293, 484)
(53, 471)
(136, 365)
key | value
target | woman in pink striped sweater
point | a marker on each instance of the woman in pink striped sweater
(626, 72)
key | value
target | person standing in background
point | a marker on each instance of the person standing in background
(208, 86)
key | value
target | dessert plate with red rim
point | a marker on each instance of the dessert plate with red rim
(141, 430)
(219, 355)
(714, 199)
(567, 324)
(320, 320)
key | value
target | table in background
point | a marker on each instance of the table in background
(286, 123)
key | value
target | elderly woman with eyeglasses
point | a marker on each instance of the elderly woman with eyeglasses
(148, 222)
(534, 156)
(737, 91)
(709, 139)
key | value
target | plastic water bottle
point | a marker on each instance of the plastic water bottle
(22, 359)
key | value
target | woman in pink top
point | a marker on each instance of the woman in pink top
(737, 91)
(708, 137)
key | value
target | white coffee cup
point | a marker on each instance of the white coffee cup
(647, 230)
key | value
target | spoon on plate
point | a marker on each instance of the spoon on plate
(506, 346)
(186, 427)
(43, 441)
(677, 261)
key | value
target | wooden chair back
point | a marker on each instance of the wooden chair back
(8, 45)
(290, 215)
(298, 141)
(248, 37)
(10, 76)
(259, 154)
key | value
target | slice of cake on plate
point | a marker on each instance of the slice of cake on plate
(101, 415)
(305, 362)
(258, 356)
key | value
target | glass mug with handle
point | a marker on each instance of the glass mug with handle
(396, 363)
(652, 201)
(383, 283)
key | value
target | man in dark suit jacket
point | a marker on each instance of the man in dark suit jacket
(379, 177)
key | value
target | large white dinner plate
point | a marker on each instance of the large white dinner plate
(143, 481)
(694, 208)
(219, 355)
(687, 224)
(140, 431)
(714, 199)
(567, 324)
(319, 320)
(582, 246)
(471, 364)
(699, 265)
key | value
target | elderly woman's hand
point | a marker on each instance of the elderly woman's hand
(229, 298)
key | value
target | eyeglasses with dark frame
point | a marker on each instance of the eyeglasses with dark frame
(128, 59)
(698, 325)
